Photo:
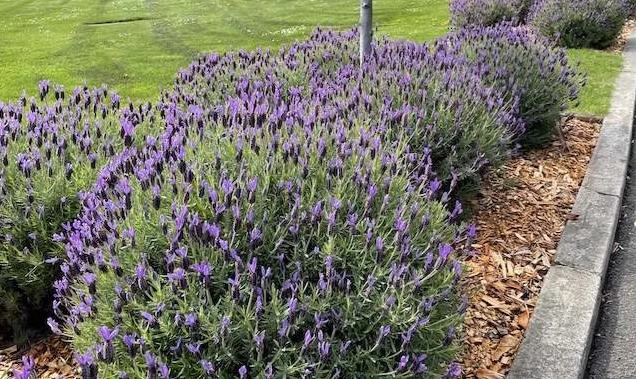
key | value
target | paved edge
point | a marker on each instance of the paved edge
(560, 333)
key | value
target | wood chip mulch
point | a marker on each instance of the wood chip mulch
(520, 214)
(53, 359)
(619, 44)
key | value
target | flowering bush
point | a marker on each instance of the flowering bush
(286, 222)
(579, 23)
(310, 256)
(524, 65)
(468, 13)
(48, 151)
(406, 88)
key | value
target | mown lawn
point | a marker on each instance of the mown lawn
(136, 46)
(602, 68)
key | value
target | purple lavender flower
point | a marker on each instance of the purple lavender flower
(191, 320)
(208, 367)
(242, 372)
(151, 365)
(54, 326)
(404, 361)
(445, 251)
(454, 370)
(87, 365)
(28, 368)
(164, 371)
(384, 331)
(194, 348)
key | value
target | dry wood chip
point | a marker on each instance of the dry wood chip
(620, 42)
(519, 227)
(53, 357)
(506, 344)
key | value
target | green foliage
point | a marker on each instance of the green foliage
(580, 23)
(482, 13)
(50, 150)
(525, 66)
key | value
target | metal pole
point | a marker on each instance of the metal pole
(366, 24)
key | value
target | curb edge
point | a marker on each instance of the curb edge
(561, 330)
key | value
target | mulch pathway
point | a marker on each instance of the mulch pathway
(520, 214)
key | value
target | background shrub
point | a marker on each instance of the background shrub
(467, 13)
(579, 23)
(49, 149)
(287, 222)
(522, 65)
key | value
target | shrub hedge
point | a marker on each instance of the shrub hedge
(523, 65)
(434, 98)
(471, 13)
(288, 213)
(580, 23)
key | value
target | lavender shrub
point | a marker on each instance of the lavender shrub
(580, 23)
(271, 251)
(287, 221)
(49, 150)
(523, 65)
(471, 13)
(435, 98)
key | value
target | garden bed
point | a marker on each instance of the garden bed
(520, 214)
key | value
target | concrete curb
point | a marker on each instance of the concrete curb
(561, 330)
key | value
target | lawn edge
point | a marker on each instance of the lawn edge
(561, 330)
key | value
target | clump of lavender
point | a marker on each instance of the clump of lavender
(472, 13)
(434, 99)
(286, 222)
(50, 149)
(523, 65)
(580, 23)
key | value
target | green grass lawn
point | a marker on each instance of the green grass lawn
(602, 68)
(136, 46)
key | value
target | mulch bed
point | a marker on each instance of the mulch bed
(619, 44)
(520, 214)
(53, 359)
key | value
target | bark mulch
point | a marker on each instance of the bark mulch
(53, 359)
(520, 214)
(619, 44)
